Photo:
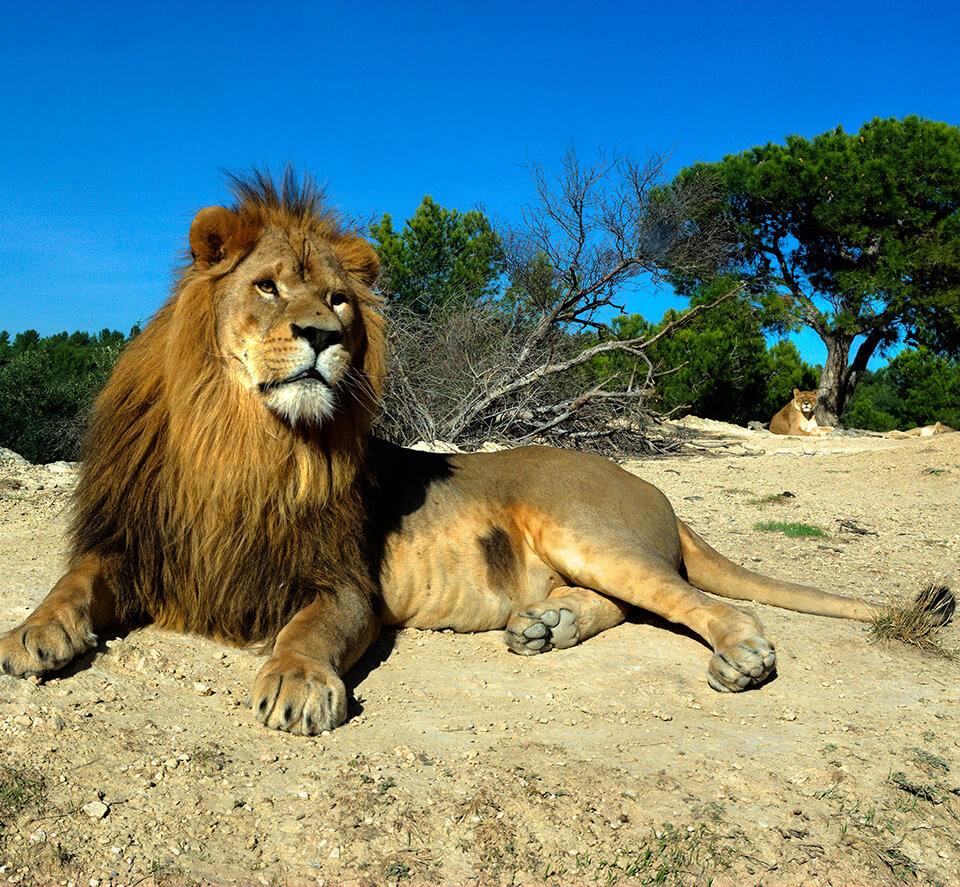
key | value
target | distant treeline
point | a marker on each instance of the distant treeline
(47, 386)
(721, 368)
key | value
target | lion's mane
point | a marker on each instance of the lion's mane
(206, 508)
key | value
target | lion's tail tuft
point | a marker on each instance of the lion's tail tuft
(938, 602)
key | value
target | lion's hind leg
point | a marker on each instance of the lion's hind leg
(65, 624)
(567, 617)
(742, 656)
(647, 579)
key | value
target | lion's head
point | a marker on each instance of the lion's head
(231, 436)
(295, 317)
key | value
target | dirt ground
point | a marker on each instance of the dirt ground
(610, 763)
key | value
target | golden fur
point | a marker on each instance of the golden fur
(923, 431)
(198, 507)
(797, 417)
(195, 492)
(230, 488)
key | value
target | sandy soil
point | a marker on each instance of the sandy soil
(460, 763)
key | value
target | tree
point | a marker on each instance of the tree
(855, 236)
(47, 386)
(917, 387)
(515, 366)
(440, 259)
(718, 365)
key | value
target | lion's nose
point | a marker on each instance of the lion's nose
(317, 338)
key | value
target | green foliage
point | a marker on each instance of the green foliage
(792, 529)
(852, 234)
(721, 363)
(47, 386)
(442, 258)
(787, 371)
(533, 288)
(917, 387)
(717, 366)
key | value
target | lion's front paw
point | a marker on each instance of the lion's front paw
(736, 667)
(299, 695)
(541, 628)
(37, 647)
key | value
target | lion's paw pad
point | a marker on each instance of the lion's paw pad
(741, 665)
(541, 628)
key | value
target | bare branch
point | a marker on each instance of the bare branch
(520, 367)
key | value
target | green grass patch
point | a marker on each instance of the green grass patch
(792, 529)
(927, 761)
(20, 789)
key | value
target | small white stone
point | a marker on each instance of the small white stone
(96, 809)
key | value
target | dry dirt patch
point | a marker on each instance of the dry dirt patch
(609, 763)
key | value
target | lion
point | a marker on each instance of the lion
(923, 431)
(231, 488)
(797, 417)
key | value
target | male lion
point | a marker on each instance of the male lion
(797, 417)
(229, 488)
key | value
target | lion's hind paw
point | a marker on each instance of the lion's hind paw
(540, 628)
(741, 665)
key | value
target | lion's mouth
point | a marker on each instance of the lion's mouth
(310, 375)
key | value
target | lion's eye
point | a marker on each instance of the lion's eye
(267, 287)
(337, 299)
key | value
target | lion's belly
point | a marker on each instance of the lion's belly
(452, 577)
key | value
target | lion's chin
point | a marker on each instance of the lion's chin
(301, 401)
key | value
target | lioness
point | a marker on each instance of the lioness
(797, 416)
(923, 431)
(230, 488)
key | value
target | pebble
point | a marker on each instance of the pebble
(96, 809)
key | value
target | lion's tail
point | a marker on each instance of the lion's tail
(709, 570)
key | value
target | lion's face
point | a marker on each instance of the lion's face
(805, 401)
(290, 322)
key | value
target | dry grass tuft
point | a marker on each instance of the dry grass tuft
(917, 624)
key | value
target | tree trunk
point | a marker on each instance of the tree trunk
(833, 380)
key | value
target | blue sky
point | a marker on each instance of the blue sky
(120, 116)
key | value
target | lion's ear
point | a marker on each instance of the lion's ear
(211, 232)
(359, 258)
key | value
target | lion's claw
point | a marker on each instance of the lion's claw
(298, 695)
(541, 628)
(737, 667)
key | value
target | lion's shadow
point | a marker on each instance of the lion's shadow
(376, 654)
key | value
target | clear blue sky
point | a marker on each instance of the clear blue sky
(120, 116)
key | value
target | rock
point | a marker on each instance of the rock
(96, 809)
(436, 446)
(10, 456)
(61, 467)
